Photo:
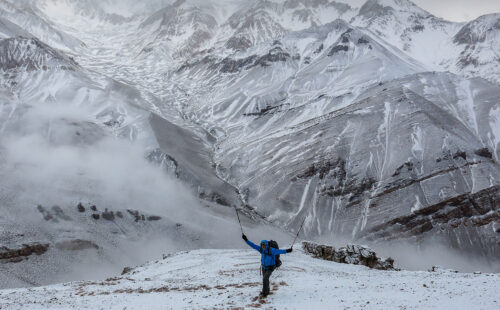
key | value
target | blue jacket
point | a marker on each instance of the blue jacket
(267, 259)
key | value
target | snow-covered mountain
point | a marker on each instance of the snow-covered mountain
(297, 131)
(439, 44)
(379, 123)
(27, 16)
(478, 44)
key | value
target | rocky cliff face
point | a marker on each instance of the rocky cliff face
(350, 254)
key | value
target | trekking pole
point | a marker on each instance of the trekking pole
(300, 228)
(241, 227)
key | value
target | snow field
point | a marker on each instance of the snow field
(206, 279)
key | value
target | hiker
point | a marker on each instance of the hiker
(268, 261)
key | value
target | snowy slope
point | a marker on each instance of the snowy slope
(230, 279)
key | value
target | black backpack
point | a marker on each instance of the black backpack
(274, 244)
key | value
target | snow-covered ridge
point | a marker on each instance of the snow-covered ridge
(32, 54)
(230, 279)
(484, 28)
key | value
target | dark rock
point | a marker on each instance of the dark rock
(126, 270)
(334, 178)
(274, 55)
(467, 61)
(418, 28)
(112, 123)
(363, 40)
(207, 60)
(76, 245)
(96, 216)
(108, 215)
(461, 154)
(319, 49)
(220, 200)
(323, 169)
(135, 214)
(269, 109)
(119, 214)
(407, 165)
(153, 218)
(80, 207)
(337, 49)
(484, 152)
(93, 208)
(229, 65)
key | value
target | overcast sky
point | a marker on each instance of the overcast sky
(454, 10)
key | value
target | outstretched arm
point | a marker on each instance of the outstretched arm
(251, 244)
(278, 251)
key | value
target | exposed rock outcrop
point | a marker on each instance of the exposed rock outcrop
(108, 215)
(8, 255)
(350, 254)
(80, 207)
(126, 270)
(467, 210)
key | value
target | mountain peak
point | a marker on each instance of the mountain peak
(373, 8)
(477, 30)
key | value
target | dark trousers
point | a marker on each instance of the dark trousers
(266, 274)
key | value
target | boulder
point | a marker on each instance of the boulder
(350, 254)
(17, 254)
(108, 215)
(80, 207)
